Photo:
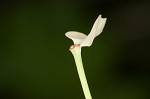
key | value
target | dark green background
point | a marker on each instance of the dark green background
(35, 62)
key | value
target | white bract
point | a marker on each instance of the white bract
(84, 40)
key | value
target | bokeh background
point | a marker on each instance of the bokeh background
(35, 62)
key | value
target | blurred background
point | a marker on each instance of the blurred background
(35, 62)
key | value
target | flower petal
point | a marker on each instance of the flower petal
(95, 31)
(77, 37)
(98, 25)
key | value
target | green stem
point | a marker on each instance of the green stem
(76, 51)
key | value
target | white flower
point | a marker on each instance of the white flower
(81, 40)
(84, 40)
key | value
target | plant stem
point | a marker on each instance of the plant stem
(76, 51)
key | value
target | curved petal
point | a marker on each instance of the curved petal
(98, 25)
(77, 37)
(95, 31)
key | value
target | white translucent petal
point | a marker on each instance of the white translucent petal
(95, 31)
(77, 37)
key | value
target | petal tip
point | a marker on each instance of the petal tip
(100, 16)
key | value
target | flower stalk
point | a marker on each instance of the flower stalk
(76, 51)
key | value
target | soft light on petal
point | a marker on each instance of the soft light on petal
(98, 25)
(95, 31)
(77, 37)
